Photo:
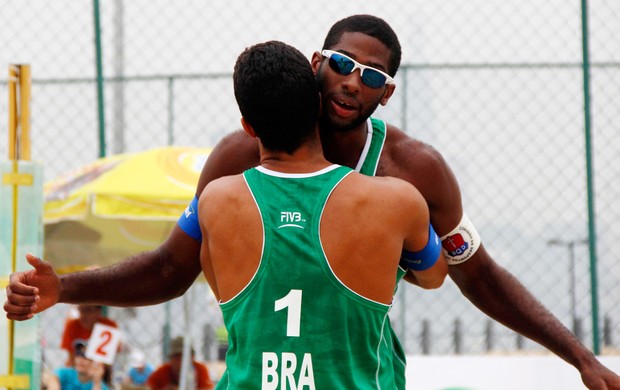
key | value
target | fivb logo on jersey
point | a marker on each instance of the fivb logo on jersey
(292, 219)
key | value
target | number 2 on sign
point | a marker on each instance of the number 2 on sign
(104, 338)
(103, 344)
(292, 301)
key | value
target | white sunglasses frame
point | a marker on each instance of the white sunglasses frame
(356, 65)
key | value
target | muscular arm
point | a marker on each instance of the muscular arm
(496, 291)
(168, 271)
(501, 296)
(144, 279)
(485, 283)
(419, 238)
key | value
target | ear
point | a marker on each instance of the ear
(316, 60)
(249, 130)
(389, 90)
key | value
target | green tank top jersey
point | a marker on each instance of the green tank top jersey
(367, 165)
(295, 325)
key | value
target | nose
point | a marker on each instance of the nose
(353, 82)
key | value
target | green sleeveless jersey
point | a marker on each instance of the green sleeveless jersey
(295, 325)
(367, 165)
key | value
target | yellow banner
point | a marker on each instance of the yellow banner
(21, 179)
(15, 381)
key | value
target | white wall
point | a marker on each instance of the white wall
(496, 373)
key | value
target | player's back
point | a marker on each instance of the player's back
(300, 314)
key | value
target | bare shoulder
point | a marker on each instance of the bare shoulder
(223, 188)
(232, 155)
(222, 194)
(391, 192)
(423, 166)
(396, 186)
(411, 159)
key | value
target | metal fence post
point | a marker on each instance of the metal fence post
(458, 337)
(99, 66)
(426, 337)
(590, 177)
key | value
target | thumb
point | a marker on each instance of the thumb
(41, 266)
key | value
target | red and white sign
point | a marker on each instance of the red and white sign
(103, 344)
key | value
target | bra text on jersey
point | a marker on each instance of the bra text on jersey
(281, 373)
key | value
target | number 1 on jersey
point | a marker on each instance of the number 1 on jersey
(292, 301)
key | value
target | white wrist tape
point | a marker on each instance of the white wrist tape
(461, 243)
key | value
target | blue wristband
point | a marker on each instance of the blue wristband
(427, 257)
(188, 222)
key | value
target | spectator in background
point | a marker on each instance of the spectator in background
(139, 371)
(80, 328)
(85, 375)
(168, 375)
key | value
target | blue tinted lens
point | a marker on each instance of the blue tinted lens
(344, 66)
(372, 78)
(341, 64)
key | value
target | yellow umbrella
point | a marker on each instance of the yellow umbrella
(118, 206)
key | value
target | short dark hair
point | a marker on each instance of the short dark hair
(372, 26)
(79, 347)
(277, 94)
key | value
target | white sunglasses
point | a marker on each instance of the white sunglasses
(345, 65)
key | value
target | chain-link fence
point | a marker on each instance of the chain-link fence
(496, 87)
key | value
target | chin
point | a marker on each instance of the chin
(339, 125)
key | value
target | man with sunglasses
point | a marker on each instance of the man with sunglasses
(356, 52)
